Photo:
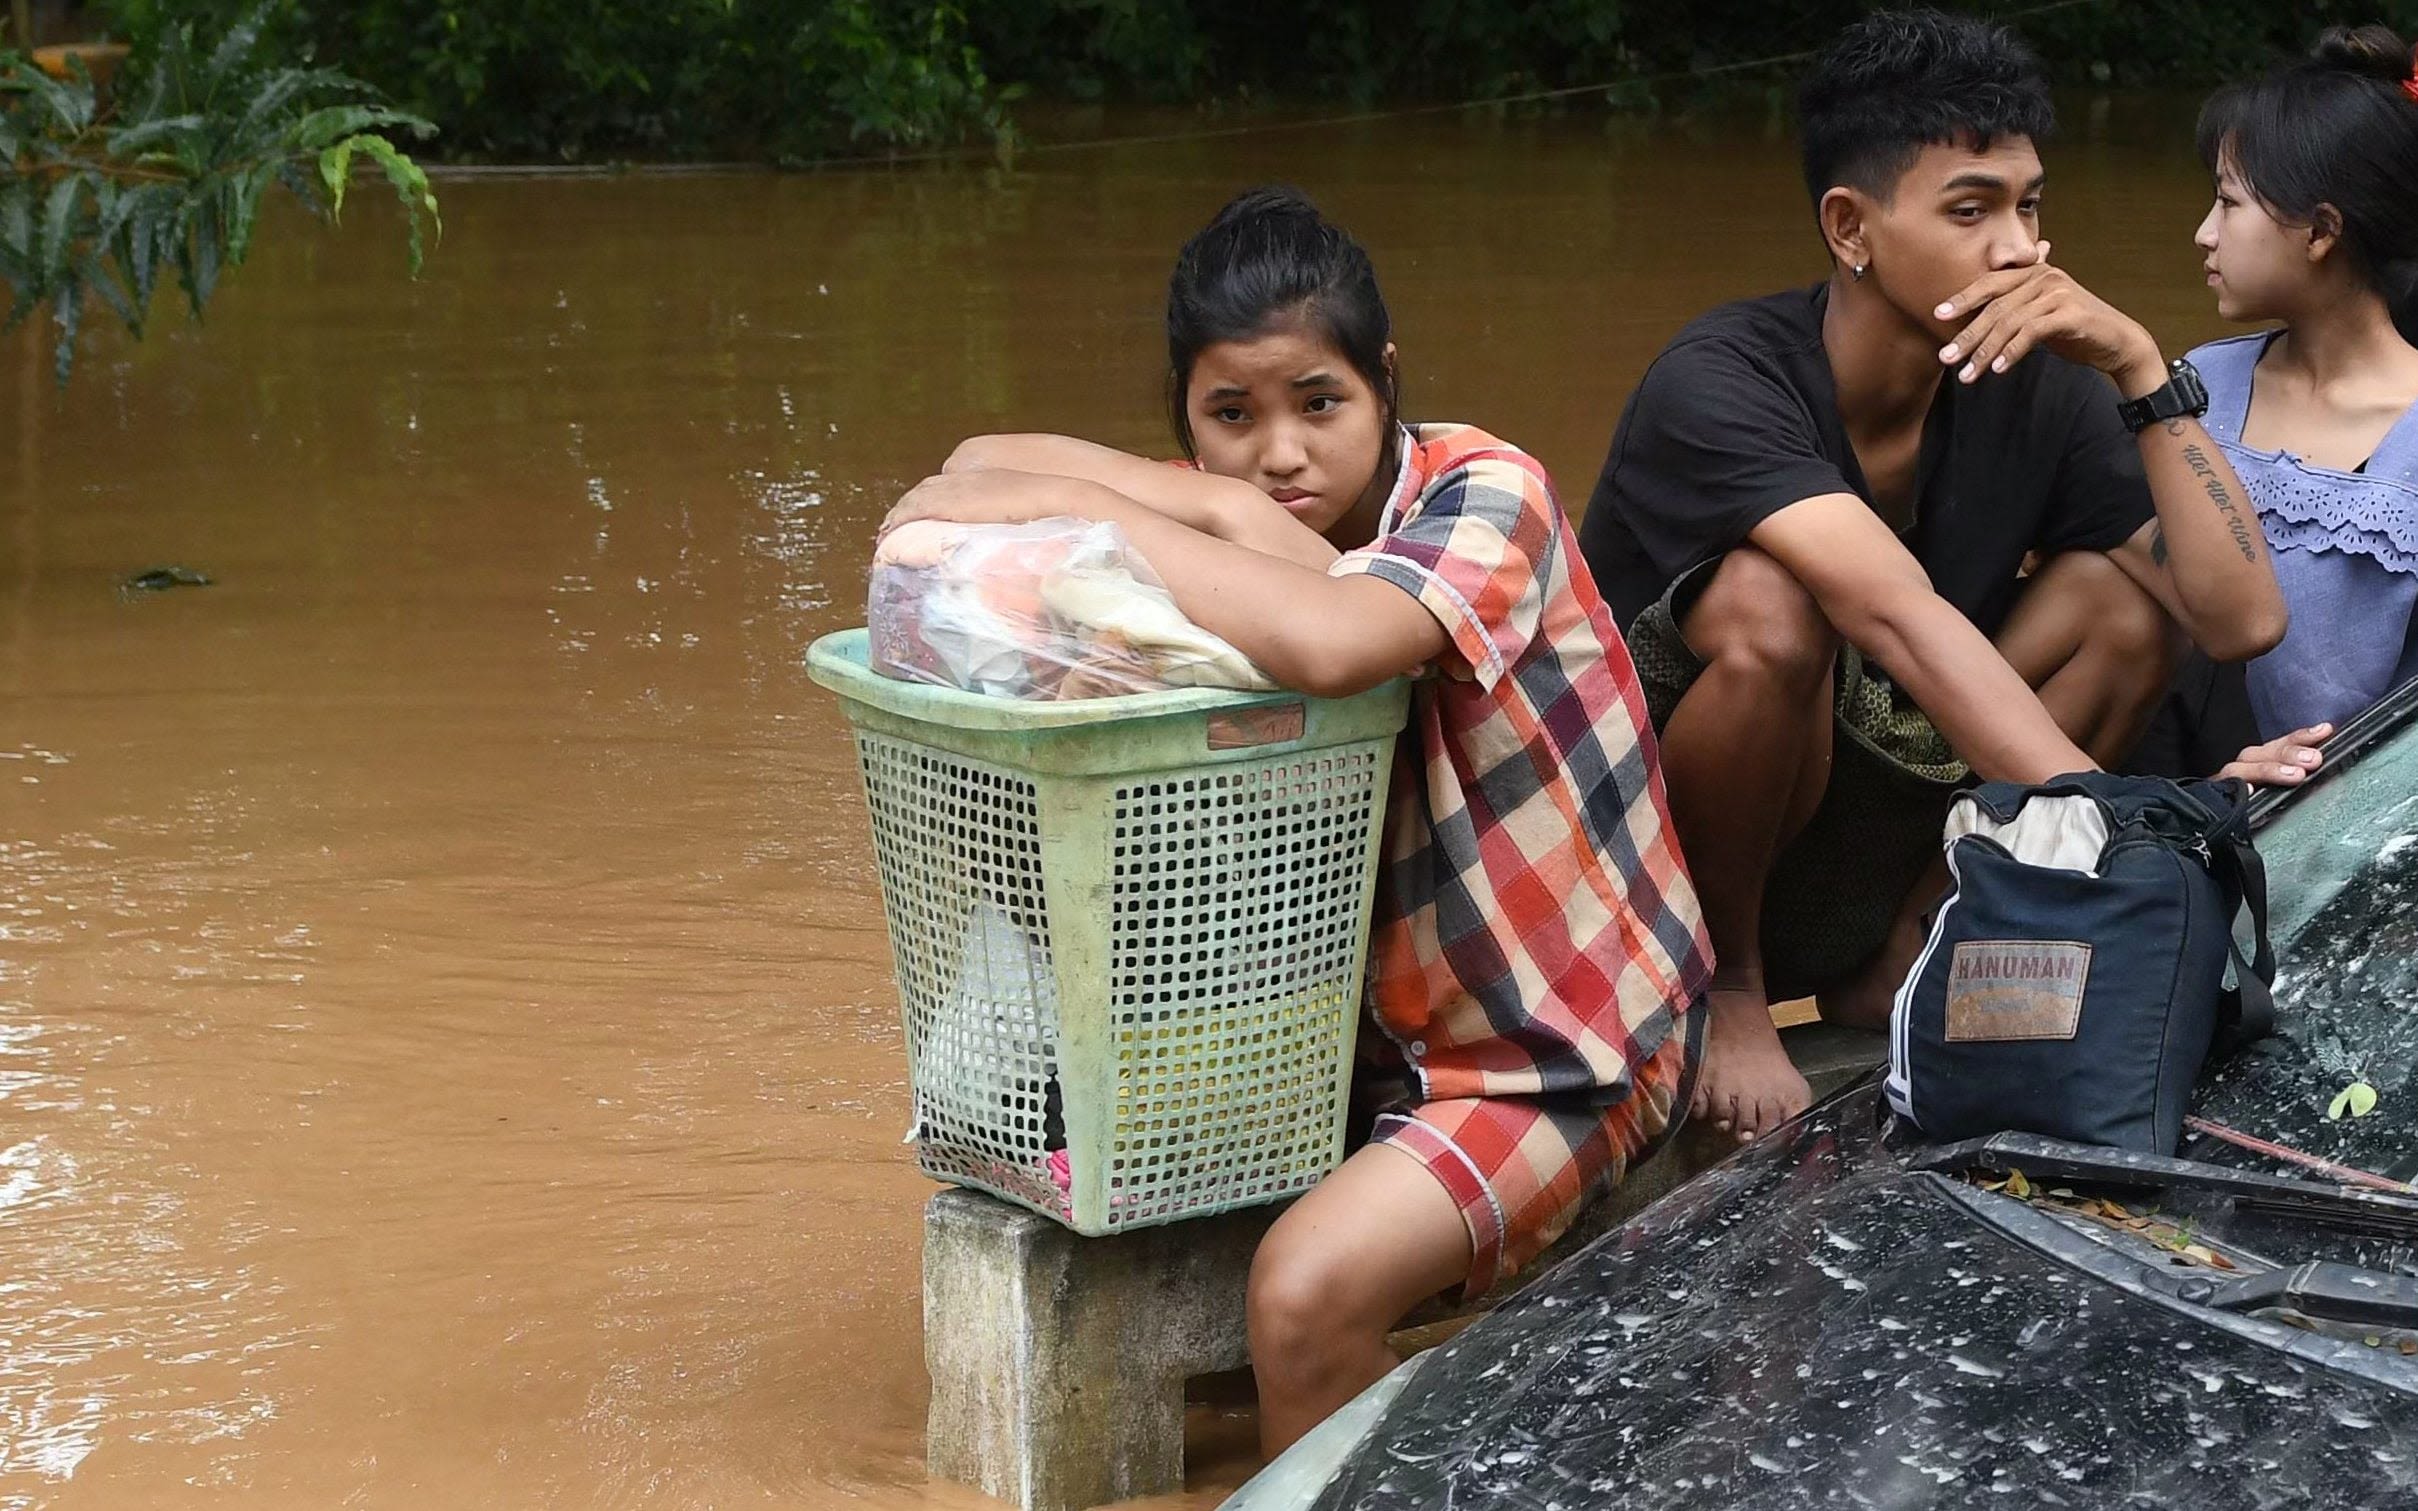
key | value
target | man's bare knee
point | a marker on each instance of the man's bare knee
(2135, 628)
(1755, 618)
(2116, 618)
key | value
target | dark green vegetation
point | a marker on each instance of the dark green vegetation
(105, 193)
(798, 80)
(565, 80)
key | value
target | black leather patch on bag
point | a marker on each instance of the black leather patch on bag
(2016, 989)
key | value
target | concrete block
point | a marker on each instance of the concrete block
(1058, 1362)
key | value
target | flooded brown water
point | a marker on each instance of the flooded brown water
(446, 1048)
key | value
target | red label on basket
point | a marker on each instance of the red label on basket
(1270, 724)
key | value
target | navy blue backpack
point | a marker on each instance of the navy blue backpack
(2073, 982)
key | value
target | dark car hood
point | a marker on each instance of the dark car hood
(1814, 1325)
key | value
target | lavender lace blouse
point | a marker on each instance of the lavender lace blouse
(2345, 547)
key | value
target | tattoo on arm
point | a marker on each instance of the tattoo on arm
(2174, 427)
(2221, 496)
(2157, 544)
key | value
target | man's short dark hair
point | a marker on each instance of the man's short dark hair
(1899, 81)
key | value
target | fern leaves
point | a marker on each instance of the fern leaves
(99, 197)
(405, 176)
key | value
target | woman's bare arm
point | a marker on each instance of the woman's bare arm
(1312, 633)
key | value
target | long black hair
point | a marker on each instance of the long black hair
(1268, 260)
(2338, 129)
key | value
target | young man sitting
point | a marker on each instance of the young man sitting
(1933, 519)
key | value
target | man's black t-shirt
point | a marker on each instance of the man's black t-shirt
(1738, 419)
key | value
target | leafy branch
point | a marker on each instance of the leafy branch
(101, 197)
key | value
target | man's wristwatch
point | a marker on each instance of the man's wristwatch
(2184, 394)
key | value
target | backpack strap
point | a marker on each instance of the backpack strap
(2250, 1006)
(2252, 1000)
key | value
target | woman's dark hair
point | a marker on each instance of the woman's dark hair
(1899, 81)
(2338, 129)
(1267, 261)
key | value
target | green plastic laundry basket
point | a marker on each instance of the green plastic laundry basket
(1135, 925)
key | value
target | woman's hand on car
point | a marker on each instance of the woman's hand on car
(2286, 762)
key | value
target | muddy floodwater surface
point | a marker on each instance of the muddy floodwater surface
(447, 1053)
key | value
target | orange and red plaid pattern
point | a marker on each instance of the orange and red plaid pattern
(1537, 946)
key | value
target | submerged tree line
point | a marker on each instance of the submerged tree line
(802, 80)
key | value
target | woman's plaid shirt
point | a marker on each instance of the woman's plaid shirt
(1536, 932)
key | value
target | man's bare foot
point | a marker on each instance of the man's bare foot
(1746, 1085)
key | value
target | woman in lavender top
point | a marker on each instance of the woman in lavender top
(2315, 227)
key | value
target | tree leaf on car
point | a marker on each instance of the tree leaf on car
(2355, 1100)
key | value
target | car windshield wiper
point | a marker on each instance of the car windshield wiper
(2324, 1299)
(2320, 1289)
(2384, 1213)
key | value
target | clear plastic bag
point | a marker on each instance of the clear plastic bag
(1001, 1014)
(1059, 608)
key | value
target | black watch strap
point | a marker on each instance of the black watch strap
(2184, 394)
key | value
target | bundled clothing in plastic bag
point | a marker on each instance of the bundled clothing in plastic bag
(1059, 608)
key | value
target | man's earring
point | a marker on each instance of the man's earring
(1859, 270)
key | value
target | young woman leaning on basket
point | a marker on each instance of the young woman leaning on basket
(1538, 956)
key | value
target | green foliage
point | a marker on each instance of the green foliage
(570, 80)
(1369, 50)
(925, 87)
(101, 195)
(409, 183)
(797, 80)
(1352, 51)
(2196, 41)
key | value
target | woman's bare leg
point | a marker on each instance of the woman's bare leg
(1333, 1277)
